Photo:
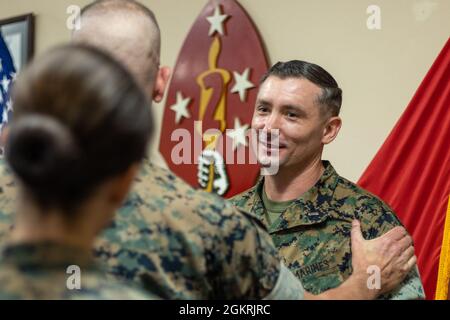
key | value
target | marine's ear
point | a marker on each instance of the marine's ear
(162, 79)
(331, 129)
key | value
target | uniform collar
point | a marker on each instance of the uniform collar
(46, 255)
(310, 208)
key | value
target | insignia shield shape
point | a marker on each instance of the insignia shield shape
(211, 99)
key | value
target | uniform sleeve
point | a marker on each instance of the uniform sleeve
(250, 266)
(409, 289)
(377, 219)
(287, 287)
(7, 199)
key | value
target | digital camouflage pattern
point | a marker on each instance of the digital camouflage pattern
(7, 198)
(186, 244)
(313, 234)
(179, 243)
(39, 271)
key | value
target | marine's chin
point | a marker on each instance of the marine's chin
(269, 158)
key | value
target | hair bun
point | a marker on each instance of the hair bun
(41, 151)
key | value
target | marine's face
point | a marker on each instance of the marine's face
(290, 106)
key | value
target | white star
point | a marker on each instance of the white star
(5, 83)
(180, 107)
(5, 116)
(238, 133)
(9, 105)
(216, 21)
(242, 84)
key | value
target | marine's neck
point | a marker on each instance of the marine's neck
(34, 226)
(291, 183)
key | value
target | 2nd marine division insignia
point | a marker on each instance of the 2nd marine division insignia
(211, 99)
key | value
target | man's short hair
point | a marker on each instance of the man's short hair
(331, 97)
(103, 6)
(100, 5)
(141, 56)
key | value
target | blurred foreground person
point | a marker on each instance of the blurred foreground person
(80, 130)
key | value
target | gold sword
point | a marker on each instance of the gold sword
(206, 93)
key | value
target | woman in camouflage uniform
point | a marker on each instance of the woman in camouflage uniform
(81, 128)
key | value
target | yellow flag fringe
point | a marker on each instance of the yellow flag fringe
(444, 261)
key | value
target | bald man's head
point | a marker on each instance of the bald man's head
(128, 31)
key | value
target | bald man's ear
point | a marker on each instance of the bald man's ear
(162, 79)
(331, 130)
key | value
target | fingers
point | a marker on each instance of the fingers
(208, 153)
(205, 170)
(398, 243)
(202, 179)
(211, 160)
(219, 167)
(220, 187)
(218, 158)
(204, 160)
(203, 173)
(203, 163)
(405, 268)
(411, 263)
(406, 255)
(356, 235)
(212, 156)
(396, 233)
(405, 242)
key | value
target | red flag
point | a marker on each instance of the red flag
(411, 172)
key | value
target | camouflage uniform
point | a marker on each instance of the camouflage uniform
(39, 271)
(180, 243)
(7, 199)
(313, 234)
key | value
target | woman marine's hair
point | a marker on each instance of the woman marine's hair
(79, 119)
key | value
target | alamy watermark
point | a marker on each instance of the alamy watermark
(73, 21)
(213, 146)
(373, 22)
(73, 281)
(374, 280)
